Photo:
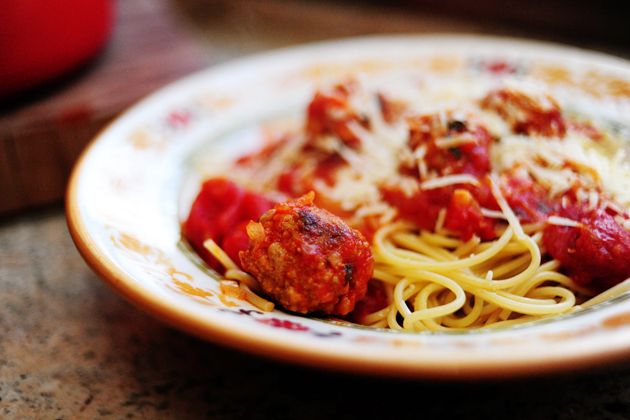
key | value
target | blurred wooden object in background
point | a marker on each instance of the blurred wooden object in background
(578, 22)
(43, 132)
(571, 20)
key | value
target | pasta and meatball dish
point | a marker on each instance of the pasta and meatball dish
(381, 209)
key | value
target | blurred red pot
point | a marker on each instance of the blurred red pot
(42, 39)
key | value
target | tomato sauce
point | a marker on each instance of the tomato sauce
(464, 215)
(527, 114)
(528, 200)
(374, 300)
(331, 113)
(471, 157)
(586, 129)
(221, 212)
(463, 211)
(391, 110)
(462, 202)
(596, 254)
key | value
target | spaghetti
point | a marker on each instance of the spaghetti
(497, 280)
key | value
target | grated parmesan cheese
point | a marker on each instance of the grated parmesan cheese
(461, 140)
(448, 180)
(551, 163)
(562, 221)
(493, 214)
(599, 171)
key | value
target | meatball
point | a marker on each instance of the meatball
(307, 259)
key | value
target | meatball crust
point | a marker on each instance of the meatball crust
(307, 259)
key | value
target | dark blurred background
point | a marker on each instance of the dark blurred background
(67, 67)
(581, 22)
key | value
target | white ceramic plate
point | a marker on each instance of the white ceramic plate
(131, 186)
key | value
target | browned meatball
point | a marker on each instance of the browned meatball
(307, 259)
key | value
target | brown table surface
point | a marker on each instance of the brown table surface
(71, 348)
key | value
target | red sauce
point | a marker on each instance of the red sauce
(586, 129)
(526, 114)
(463, 210)
(391, 110)
(289, 182)
(463, 215)
(220, 212)
(470, 158)
(272, 146)
(462, 202)
(421, 208)
(374, 300)
(295, 184)
(596, 254)
(331, 113)
(529, 201)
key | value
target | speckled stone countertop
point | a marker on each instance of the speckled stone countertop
(71, 348)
